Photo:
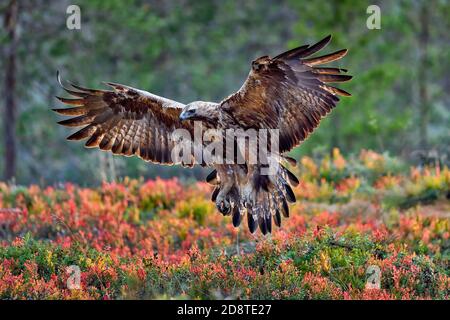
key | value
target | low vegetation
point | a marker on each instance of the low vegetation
(164, 239)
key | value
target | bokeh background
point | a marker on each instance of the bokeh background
(201, 50)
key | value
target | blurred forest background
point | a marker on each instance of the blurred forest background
(201, 50)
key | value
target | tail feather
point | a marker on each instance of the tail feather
(251, 223)
(237, 217)
(293, 180)
(268, 219)
(290, 196)
(215, 194)
(326, 58)
(262, 224)
(284, 208)
(212, 177)
(277, 218)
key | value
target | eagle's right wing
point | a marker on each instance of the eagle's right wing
(288, 92)
(125, 121)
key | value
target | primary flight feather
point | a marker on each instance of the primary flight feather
(290, 93)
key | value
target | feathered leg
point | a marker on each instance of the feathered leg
(241, 191)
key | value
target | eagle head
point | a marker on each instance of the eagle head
(200, 111)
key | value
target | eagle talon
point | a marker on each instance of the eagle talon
(224, 207)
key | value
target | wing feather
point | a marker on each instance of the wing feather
(288, 93)
(124, 120)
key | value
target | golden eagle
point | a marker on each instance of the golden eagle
(289, 93)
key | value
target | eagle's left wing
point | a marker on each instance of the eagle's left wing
(124, 120)
(288, 93)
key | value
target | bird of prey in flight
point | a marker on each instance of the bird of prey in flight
(289, 93)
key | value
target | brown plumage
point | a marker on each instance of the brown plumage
(290, 92)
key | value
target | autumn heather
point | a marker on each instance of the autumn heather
(164, 238)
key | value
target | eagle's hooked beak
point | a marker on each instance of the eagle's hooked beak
(187, 114)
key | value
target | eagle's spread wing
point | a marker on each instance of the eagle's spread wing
(288, 93)
(126, 121)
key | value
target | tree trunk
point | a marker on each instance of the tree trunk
(10, 87)
(424, 103)
(336, 116)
